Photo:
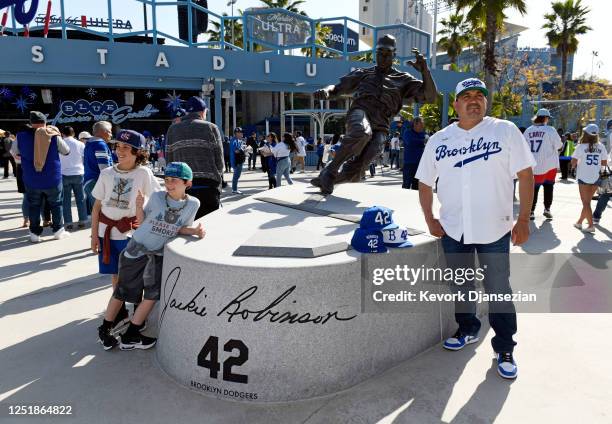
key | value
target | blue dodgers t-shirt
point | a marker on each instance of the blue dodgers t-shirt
(164, 217)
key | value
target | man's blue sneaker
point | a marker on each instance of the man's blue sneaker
(506, 367)
(458, 341)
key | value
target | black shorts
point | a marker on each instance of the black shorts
(135, 278)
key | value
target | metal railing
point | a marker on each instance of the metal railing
(250, 43)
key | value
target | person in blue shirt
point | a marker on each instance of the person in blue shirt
(237, 144)
(38, 147)
(97, 156)
(413, 136)
(320, 151)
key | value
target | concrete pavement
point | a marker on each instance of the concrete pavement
(51, 300)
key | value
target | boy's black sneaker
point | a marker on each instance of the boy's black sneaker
(138, 341)
(121, 319)
(104, 336)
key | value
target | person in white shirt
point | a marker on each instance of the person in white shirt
(394, 150)
(544, 143)
(300, 157)
(281, 152)
(475, 162)
(72, 179)
(588, 158)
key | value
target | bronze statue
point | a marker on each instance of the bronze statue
(377, 97)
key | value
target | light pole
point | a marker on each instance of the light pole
(232, 3)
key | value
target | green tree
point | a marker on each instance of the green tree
(214, 33)
(321, 32)
(490, 14)
(506, 103)
(567, 21)
(290, 5)
(455, 36)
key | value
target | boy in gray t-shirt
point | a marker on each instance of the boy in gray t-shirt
(166, 214)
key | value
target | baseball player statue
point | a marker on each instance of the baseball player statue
(378, 93)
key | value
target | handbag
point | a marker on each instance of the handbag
(265, 151)
(605, 185)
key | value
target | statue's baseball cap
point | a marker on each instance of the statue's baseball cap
(471, 84)
(387, 42)
(179, 170)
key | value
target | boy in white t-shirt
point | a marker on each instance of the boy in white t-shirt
(113, 216)
(588, 158)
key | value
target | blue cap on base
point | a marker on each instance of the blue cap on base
(377, 218)
(368, 241)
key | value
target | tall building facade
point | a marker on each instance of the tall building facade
(389, 12)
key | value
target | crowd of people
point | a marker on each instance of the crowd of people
(112, 179)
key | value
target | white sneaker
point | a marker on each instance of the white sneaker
(590, 229)
(34, 238)
(236, 192)
(60, 234)
(578, 226)
(547, 214)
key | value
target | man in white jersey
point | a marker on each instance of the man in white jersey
(476, 161)
(544, 143)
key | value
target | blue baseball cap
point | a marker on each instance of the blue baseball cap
(377, 218)
(368, 241)
(196, 104)
(180, 112)
(131, 137)
(397, 237)
(178, 170)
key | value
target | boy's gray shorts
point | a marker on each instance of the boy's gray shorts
(136, 277)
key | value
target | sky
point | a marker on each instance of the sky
(600, 19)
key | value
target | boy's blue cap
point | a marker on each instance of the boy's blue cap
(180, 112)
(131, 137)
(196, 104)
(147, 134)
(178, 170)
(368, 241)
(397, 237)
(377, 218)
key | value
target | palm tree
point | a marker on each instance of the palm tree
(214, 34)
(321, 32)
(566, 22)
(290, 5)
(455, 36)
(491, 14)
(506, 103)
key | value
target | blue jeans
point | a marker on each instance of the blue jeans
(236, 177)
(408, 173)
(602, 203)
(494, 258)
(89, 199)
(73, 184)
(35, 199)
(394, 158)
(283, 167)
